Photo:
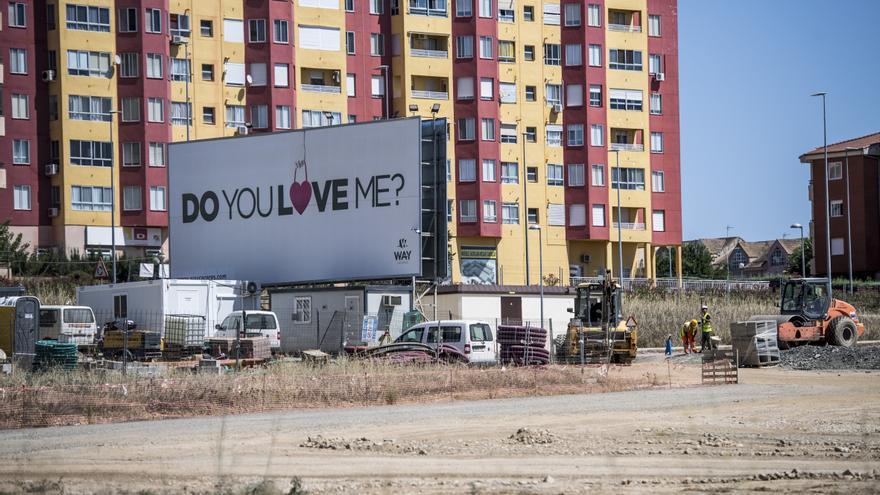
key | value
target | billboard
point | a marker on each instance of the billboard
(321, 204)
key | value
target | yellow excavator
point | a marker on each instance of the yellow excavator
(598, 333)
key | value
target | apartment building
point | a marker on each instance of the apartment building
(543, 101)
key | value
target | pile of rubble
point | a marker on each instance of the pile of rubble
(362, 444)
(809, 357)
(533, 437)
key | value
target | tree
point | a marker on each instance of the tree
(13, 249)
(662, 265)
(696, 261)
(794, 259)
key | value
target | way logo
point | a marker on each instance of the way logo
(402, 253)
(300, 191)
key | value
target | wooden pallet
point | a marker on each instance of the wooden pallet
(719, 368)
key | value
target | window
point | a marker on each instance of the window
(17, 15)
(597, 135)
(593, 18)
(257, 30)
(319, 38)
(282, 117)
(551, 54)
(528, 13)
(281, 75)
(625, 59)
(486, 8)
(180, 69)
(510, 213)
(155, 110)
(490, 212)
(577, 215)
(595, 95)
(85, 18)
(128, 20)
(576, 175)
(531, 93)
(207, 72)
(553, 94)
(551, 14)
(658, 220)
(837, 208)
(157, 154)
(554, 135)
(656, 104)
(572, 14)
(51, 24)
(377, 7)
(506, 12)
(529, 53)
(656, 142)
(508, 133)
(88, 198)
(120, 306)
(598, 177)
(653, 25)
(532, 174)
(506, 51)
(464, 47)
(233, 30)
(837, 246)
(377, 86)
(281, 31)
(488, 170)
(258, 74)
(449, 207)
(467, 170)
(349, 42)
(466, 129)
(235, 116)
(575, 134)
(467, 210)
(465, 88)
(574, 95)
(234, 74)
(21, 108)
(179, 25)
(556, 214)
(93, 64)
(132, 198)
(21, 152)
(181, 113)
(350, 84)
(22, 198)
(153, 20)
(574, 55)
(625, 99)
(632, 179)
(377, 44)
(91, 153)
(317, 118)
(531, 134)
(349, 5)
(835, 171)
(206, 28)
(598, 215)
(209, 115)
(595, 55)
(487, 88)
(154, 66)
(52, 60)
(157, 198)
(94, 108)
(509, 173)
(18, 61)
(130, 66)
(777, 258)
(532, 216)
(464, 8)
(260, 116)
(655, 66)
(554, 175)
(658, 182)
(486, 47)
(131, 154)
(302, 309)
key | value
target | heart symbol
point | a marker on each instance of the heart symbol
(300, 195)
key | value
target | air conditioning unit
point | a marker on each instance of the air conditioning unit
(557, 107)
(53, 212)
(242, 130)
(48, 75)
(51, 169)
(586, 258)
(178, 40)
(660, 76)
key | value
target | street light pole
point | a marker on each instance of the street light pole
(112, 197)
(803, 255)
(827, 200)
(540, 267)
(619, 218)
(525, 177)
(849, 223)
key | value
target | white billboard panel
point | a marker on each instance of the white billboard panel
(332, 203)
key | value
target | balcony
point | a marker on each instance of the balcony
(424, 45)
(626, 147)
(430, 95)
(320, 81)
(429, 88)
(321, 88)
(631, 218)
(624, 21)
(434, 8)
(625, 28)
(626, 140)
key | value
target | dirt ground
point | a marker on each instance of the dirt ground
(779, 430)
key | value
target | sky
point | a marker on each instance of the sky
(747, 70)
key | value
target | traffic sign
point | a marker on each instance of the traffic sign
(101, 269)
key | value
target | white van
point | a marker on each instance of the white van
(68, 324)
(473, 338)
(259, 324)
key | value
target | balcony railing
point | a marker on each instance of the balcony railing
(626, 28)
(631, 225)
(321, 88)
(420, 52)
(429, 11)
(430, 95)
(627, 147)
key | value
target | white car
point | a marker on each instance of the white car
(473, 338)
(68, 324)
(259, 324)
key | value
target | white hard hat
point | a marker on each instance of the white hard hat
(705, 307)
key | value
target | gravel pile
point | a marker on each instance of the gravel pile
(363, 444)
(831, 357)
(533, 437)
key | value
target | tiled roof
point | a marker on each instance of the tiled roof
(859, 142)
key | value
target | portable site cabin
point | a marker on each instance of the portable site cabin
(324, 318)
(19, 326)
(148, 302)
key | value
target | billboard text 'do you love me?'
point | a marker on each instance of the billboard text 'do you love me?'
(339, 203)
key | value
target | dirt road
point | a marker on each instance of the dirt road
(781, 430)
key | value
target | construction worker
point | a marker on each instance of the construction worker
(688, 333)
(669, 345)
(706, 325)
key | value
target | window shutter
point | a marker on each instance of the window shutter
(577, 215)
(556, 214)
